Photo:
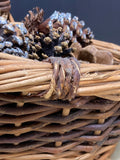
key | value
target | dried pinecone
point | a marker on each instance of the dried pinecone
(59, 35)
(70, 25)
(52, 44)
(13, 39)
(34, 19)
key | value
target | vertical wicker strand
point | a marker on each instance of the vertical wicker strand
(65, 112)
(100, 121)
(19, 104)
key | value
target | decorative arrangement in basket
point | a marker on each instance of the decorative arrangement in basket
(59, 89)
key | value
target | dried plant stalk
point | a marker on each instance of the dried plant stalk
(113, 48)
(33, 76)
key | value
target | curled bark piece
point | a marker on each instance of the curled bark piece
(93, 55)
(76, 47)
(88, 54)
(104, 57)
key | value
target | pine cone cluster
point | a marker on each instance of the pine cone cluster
(59, 35)
(72, 26)
(13, 38)
(52, 44)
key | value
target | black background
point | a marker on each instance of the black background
(102, 16)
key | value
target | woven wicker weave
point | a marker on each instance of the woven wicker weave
(33, 122)
(59, 109)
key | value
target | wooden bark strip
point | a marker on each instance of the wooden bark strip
(18, 74)
(106, 44)
(113, 48)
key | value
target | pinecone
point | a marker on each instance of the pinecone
(13, 38)
(34, 19)
(59, 35)
(69, 25)
(51, 44)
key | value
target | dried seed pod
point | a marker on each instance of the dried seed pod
(64, 44)
(17, 40)
(8, 44)
(52, 44)
(33, 19)
(59, 35)
(8, 29)
(58, 49)
(70, 25)
(47, 40)
(22, 28)
(13, 38)
(3, 21)
(2, 45)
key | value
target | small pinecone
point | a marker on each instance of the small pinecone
(52, 44)
(33, 19)
(70, 25)
(13, 38)
(59, 35)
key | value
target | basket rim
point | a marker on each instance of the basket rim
(35, 76)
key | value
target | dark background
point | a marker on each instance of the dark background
(102, 16)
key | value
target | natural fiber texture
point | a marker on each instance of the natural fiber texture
(87, 127)
(61, 35)
(5, 6)
(34, 77)
(65, 79)
(59, 109)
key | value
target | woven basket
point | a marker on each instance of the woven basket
(37, 120)
(59, 109)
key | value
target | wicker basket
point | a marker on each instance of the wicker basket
(59, 109)
(37, 120)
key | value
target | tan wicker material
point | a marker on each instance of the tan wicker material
(5, 6)
(59, 109)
